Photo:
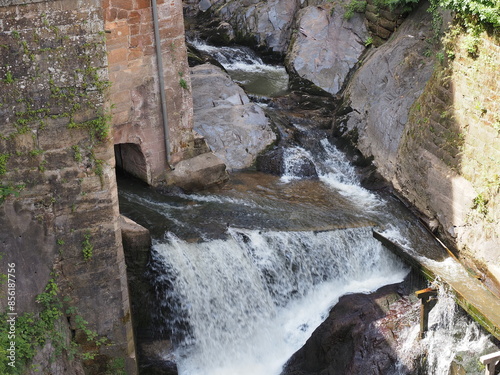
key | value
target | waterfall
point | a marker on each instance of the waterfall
(333, 169)
(253, 299)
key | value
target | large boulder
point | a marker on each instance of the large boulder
(356, 338)
(235, 129)
(267, 23)
(326, 46)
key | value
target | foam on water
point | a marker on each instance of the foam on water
(253, 300)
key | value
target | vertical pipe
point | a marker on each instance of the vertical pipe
(161, 81)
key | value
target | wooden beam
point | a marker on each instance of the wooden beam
(490, 361)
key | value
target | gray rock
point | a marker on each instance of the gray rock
(381, 92)
(198, 173)
(235, 129)
(325, 46)
(268, 21)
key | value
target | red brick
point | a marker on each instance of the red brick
(135, 54)
(122, 14)
(134, 17)
(148, 51)
(123, 4)
(110, 14)
(142, 4)
(135, 29)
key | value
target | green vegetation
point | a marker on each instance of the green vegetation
(87, 247)
(5, 191)
(182, 81)
(480, 205)
(77, 154)
(8, 77)
(355, 6)
(33, 331)
(4, 158)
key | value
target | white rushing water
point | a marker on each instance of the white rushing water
(452, 338)
(334, 170)
(247, 68)
(253, 299)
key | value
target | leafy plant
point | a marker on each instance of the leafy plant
(368, 41)
(480, 204)
(5, 191)
(3, 163)
(354, 6)
(87, 247)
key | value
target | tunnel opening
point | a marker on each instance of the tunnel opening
(131, 160)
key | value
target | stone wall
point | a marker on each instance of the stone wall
(133, 70)
(454, 130)
(428, 116)
(56, 155)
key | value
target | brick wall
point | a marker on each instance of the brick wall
(137, 116)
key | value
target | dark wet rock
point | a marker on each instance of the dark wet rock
(273, 162)
(158, 358)
(351, 340)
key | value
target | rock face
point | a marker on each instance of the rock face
(198, 173)
(360, 335)
(381, 92)
(235, 129)
(268, 23)
(326, 46)
(353, 339)
(429, 125)
(274, 162)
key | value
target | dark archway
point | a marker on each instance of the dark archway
(130, 158)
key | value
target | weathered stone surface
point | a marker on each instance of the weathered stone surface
(381, 92)
(135, 93)
(267, 23)
(55, 59)
(326, 46)
(454, 177)
(198, 173)
(235, 129)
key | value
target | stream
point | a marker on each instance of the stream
(245, 272)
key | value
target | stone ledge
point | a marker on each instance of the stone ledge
(198, 173)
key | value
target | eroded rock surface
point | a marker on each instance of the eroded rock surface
(326, 46)
(235, 129)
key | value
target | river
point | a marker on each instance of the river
(247, 271)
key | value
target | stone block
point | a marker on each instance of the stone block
(123, 4)
(117, 56)
(198, 173)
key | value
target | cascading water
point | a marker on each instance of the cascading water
(453, 341)
(246, 68)
(253, 299)
(248, 272)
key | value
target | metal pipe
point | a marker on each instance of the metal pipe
(161, 81)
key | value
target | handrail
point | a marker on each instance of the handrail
(490, 361)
